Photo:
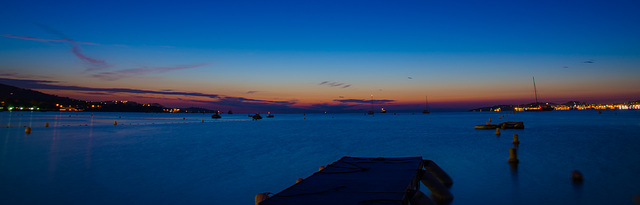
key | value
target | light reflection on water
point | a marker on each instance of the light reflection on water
(83, 158)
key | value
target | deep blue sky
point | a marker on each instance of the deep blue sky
(460, 53)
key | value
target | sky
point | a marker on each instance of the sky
(324, 56)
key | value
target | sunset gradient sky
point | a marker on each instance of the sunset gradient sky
(304, 56)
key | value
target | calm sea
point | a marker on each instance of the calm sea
(147, 158)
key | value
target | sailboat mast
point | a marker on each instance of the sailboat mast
(535, 90)
(426, 103)
(371, 102)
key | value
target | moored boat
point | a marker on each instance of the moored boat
(486, 127)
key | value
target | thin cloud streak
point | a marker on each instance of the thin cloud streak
(335, 84)
(116, 75)
(45, 39)
(46, 84)
(92, 64)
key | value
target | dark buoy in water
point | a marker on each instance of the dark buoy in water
(27, 130)
(46, 124)
(576, 177)
(513, 155)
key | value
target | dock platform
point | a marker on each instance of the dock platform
(357, 180)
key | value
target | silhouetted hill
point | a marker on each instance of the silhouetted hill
(11, 96)
(14, 97)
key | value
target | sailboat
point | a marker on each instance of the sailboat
(426, 104)
(538, 107)
(371, 111)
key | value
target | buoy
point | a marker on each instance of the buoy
(599, 112)
(513, 155)
(27, 130)
(488, 122)
(499, 117)
(299, 180)
(420, 198)
(261, 197)
(115, 122)
(438, 189)
(321, 168)
(489, 119)
(515, 139)
(498, 131)
(46, 124)
(305, 118)
(576, 176)
(437, 172)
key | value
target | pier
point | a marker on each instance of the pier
(361, 180)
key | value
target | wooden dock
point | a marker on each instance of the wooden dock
(358, 180)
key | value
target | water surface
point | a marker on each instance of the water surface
(83, 158)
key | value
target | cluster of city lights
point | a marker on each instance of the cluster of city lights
(587, 107)
(20, 108)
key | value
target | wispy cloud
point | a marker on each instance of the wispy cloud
(335, 84)
(589, 61)
(51, 85)
(90, 63)
(20, 75)
(116, 75)
(252, 91)
(45, 39)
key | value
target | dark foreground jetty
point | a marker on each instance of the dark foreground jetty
(365, 180)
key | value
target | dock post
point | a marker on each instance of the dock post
(513, 155)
